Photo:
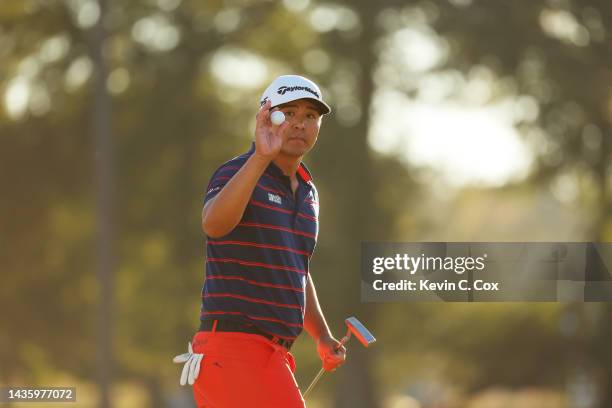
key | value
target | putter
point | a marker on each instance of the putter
(362, 334)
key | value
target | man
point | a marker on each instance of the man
(261, 221)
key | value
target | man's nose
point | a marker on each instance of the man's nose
(298, 123)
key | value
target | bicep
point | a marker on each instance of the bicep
(207, 207)
(205, 217)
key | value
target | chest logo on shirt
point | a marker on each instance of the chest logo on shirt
(274, 198)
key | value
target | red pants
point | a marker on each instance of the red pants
(244, 370)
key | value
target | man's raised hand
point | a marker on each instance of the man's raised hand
(268, 138)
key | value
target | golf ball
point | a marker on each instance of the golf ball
(277, 117)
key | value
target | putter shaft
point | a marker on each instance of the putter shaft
(343, 341)
(314, 381)
(354, 326)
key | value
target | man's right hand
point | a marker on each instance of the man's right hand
(268, 138)
(222, 213)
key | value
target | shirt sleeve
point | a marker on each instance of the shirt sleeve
(220, 178)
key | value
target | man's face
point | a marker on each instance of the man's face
(304, 124)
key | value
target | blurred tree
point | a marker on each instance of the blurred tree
(556, 53)
(539, 52)
(559, 53)
(105, 186)
(179, 115)
(176, 120)
(542, 50)
(48, 207)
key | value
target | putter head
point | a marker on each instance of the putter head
(358, 330)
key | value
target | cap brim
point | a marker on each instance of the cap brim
(322, 107)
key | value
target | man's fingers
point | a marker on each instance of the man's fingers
(329, 366)
(265, 106)
(277, 134)
(262, 119)
(333, 358)
(281, 128)
(333, 361)
(264, 111)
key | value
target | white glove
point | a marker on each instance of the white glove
(191, 369)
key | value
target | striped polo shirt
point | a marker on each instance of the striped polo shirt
(257, 273)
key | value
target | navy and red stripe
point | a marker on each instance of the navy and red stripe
(257, 273)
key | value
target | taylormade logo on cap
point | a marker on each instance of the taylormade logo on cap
(283, 89)
(287, 88)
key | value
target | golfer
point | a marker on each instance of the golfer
(260, 217)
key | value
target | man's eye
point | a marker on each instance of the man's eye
(289, 113)
(311, 116)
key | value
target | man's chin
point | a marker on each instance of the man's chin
(294, 152)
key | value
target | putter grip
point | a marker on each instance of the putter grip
(343, 341)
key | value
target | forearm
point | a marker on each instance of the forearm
(224, 211)
(314, 321)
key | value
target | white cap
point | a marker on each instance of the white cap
(287, 88)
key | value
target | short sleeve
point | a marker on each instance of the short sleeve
(220, 178)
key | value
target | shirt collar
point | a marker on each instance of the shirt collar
(304, 174)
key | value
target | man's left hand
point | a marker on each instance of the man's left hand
(331, 352)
